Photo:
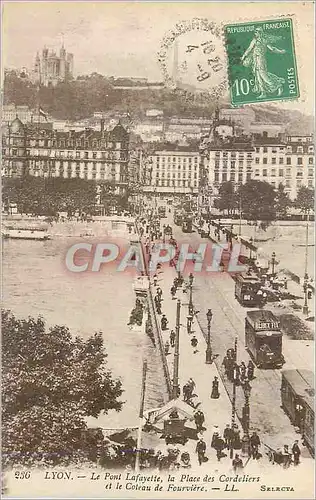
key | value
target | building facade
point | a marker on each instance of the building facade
(174, 169)
(289, 162)
(96, 155)
(24, 113)
(50, 69)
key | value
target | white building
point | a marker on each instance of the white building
(175, 170)
(290, 162)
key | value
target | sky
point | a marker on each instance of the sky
(123, 38)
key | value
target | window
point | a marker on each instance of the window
(311, 160)
(265, 161)
(288, 161)
(300, 161)
(216, 176)
(265, 149)
(288, 183)
(311, 149)
(264, 172)
(86, 154)
(94, 155)
(288, 171)
(273, 172)
(281, 161)
(257, 161)
(310, 183)
(298, 183)
(281, 173)
(310, 172)
(274, 150)
(299, 174)
(257, 172)
(300, 149)
(232, 176)
(289, 149)
(273, 161)
(77, 154)
(14, 152)
(224, 177)
(257, 150)
(241, 163)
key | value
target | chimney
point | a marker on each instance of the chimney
(102, 124)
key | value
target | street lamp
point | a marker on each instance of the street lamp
(191, 277)
(273, 263)
(208, 354)
(305, 285)
(246, 419)
(250, 241)
(305, 289)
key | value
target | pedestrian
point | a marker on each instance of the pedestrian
(215, 436)
(219, 447)
(236, 437)
(215, 391)
(242, 371)
(158, 308)
(250, 370)
(254, 444)
(296, 453)
(227, 436)
(159, 292)
(189, 323)
(187, 392)
(155, 278)
(191, 383)
(194, 343)
(167, 348)
(200, 450)
(199, 420)
(164, 322)
(172, 338)
(286, 457)
(173, 291)
(237, 463)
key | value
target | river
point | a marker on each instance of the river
(35, 282)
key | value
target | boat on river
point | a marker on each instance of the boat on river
(26, 233)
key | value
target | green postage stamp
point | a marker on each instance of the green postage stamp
(261, 61)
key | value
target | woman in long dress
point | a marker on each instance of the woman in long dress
(255, 58)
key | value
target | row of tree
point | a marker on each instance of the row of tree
(39, 196)
(51, 381)
(258, 200)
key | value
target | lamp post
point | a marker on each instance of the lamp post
(246, 419)
(305, 285)
(191, 277)
(250, 241)
(273, 263)
(208, 354)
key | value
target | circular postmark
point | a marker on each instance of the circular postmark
(192, 58)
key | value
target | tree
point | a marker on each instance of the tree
(51, 383)
(305, 199)
(227, 198)
(282, 202)
(258, 201)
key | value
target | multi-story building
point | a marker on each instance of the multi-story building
(226, 156)
(49, 69)
(289, 161)
(98, 155)
(175, 169)
(24, 113)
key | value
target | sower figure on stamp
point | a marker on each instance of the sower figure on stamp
(255, 58)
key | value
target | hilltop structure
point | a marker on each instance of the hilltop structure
(50, 69)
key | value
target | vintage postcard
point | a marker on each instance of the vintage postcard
(158, 176)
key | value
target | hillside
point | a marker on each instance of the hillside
(82, 97)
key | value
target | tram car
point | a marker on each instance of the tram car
(248, 290)
(162, 211)
(297, 396)
(263, 339)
